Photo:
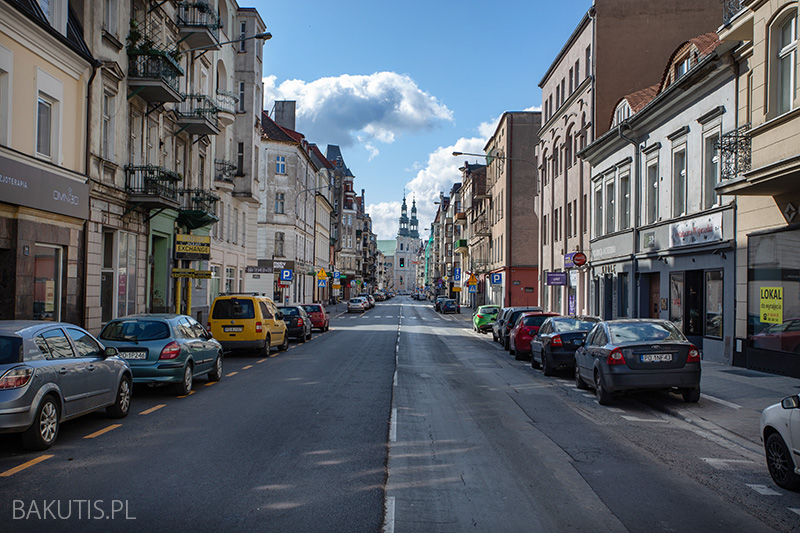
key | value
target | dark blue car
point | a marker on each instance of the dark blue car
(450, 306)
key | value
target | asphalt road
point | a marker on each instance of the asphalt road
(396, 420)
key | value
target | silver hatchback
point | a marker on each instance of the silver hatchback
(51, 372)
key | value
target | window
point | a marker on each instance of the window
(279, 242)
(624, 202)
(544, 229)
(710, 170)
(577, 73)
(713, 307)
(47, 282)
(6, 68)
(651, 192)
(84, 343)
(676, 299)
(280, 203)
(240, 160)
(787, 64)
(570, 217)
(110, 16)
(588, 60)
(242, 44)
(280, 164)
(622, 294)
(241, 97)
(584, 215)
(682, 67)
(44, 129)
(571, 80)
(598, 211)
(230, 279)
(107, 134)
(610, 207)
(679, 182)
(54, 345)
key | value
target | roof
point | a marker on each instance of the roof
(271, 129)
(584, 21)
(73, 39)
(702, 45)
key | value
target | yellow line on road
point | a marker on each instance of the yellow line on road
(229, 374)
(211, 383)
(152, 409)
(186, 395)
(261, 360)
(275, 355)
(103, 431)
(23, 466)
(246, 367)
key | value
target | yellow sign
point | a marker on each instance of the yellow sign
(456, 289)
(336, 286)
(201, 274)
(322, 274)
(771, 309)
(192, 247)
(472, 280)
(182, 272)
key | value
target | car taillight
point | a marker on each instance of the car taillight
(480, 316)
(615, 357)
(694, 354)
(258, 327)
(556, 341)
(170, 351)
(209, 326)
(299, 321)
(16, 378)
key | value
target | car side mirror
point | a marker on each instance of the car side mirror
(110, 351)
(279, 315)
(792, 402)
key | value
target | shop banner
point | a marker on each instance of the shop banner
(193, 247)
(699, 230)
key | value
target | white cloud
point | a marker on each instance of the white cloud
(340, 110)
(373, 151)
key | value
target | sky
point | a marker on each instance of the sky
(400, 86)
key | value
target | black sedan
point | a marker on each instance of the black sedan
(298, 323)
(450, 306)
(637, 354)
(554, 345)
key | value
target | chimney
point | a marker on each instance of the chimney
(284, 114)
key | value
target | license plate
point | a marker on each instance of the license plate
(656, 357)
(134, 355)
(230, 329)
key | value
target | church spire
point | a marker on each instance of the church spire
(403, 219)
(414, 223)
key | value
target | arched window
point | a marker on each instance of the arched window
(785, 37)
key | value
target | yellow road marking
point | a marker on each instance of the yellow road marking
(274, 355)
(261, 360)
(102, 431)
(152, 409)
(23, 466)
(186, 395)
(246, 367)
(230, 374)
(211, 383)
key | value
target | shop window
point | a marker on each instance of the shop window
(47, 283)
(118, 275)
(623, 291)
(713, 286)
(676, 299)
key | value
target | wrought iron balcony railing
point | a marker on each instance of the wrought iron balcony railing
(735, 150)
(151, 180)
(199, 14)
(198, 106)
(226, 102)
(156, 65)
(225, 169)
(480, 265)
(730, 8)
(198, 200)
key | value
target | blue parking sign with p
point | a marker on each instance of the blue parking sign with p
(456, 274)
(286, 275)
(497, 278)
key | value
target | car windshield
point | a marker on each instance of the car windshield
(289, 311)
(135, 330)
(534, 320)
(644, 332)
(234, 308)
(312, 308)
(566, 325)
(489, 310)
(10, 350)
(356, 301)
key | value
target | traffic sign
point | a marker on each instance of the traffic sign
(322, 283)
(473, 288)
(456, 274)
(286, 275)
(337, 275)
(579, 259)
(472, 280)
(456, 289)
(497, 278)
(322, 274)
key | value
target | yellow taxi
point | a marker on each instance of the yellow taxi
(247, 322)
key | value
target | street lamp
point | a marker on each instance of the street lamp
(489, 157)
(265, 36)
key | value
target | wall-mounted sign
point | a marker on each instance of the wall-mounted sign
(771, 306)
(698, 230)
(193, 247)
(269, 266)
(497, 278)
(65, 192)
(555, 278)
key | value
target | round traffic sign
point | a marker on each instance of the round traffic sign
(579, 259)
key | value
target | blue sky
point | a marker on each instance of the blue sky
(400, 86)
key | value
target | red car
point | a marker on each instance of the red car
(526, 328)
(318, 316)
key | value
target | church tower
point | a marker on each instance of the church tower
(406, 249)
(414, 224)
(404, 219)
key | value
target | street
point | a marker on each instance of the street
(397, 419)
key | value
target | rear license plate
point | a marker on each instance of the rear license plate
(134, 355)
(656, 357)
(231, 329)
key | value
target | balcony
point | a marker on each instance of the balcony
(198, 25)
(152, 187)
(480, 266)
(153, 75)
(460, 218)
(480, 228)
(197, 208)
(461, 246)
(730, 8)
(227, 103)
(735, 148)
(197, 115)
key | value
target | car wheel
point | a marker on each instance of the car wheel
(534, 362)
(779, 463)
(44, 430)
(603, 396)
(547, 366)
(506, 344)
(185, 386)
(691, 395)
(267, 346)
(308, 337)
(579, 383)
(216, 373)
(327, 326)
(285, 344)
(122, 405)
(302, 337)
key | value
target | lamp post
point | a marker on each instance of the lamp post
(264, 36)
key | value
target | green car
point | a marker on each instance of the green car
(484, 317)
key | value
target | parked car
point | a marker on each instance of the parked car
(297, 321)
(497, 327)
(318, 316)
(526, 327)
(247, 322)
(51, 372)
(369, 298)
(783, 337)
(165, 349)
(510, 322)
(634, 354)
(450, 306)
(484, 317)
(780, 433)
(554, 345)
(358, 305)
(437, 303)
(379, 297)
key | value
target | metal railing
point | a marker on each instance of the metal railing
(199, 14)
(226, 101)
(151, 180)
(155, 64)
(225, 169)
(198, 106)
(480, 265)
(735, 150)
(730, 8)
(198, 200)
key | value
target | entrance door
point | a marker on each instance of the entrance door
(159, 296)
(655, 295)
(694, 309)
(608, 297)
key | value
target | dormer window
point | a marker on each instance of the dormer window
(622, 113)
(681, 67)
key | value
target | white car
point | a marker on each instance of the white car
(780, 432)
(357, 304)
